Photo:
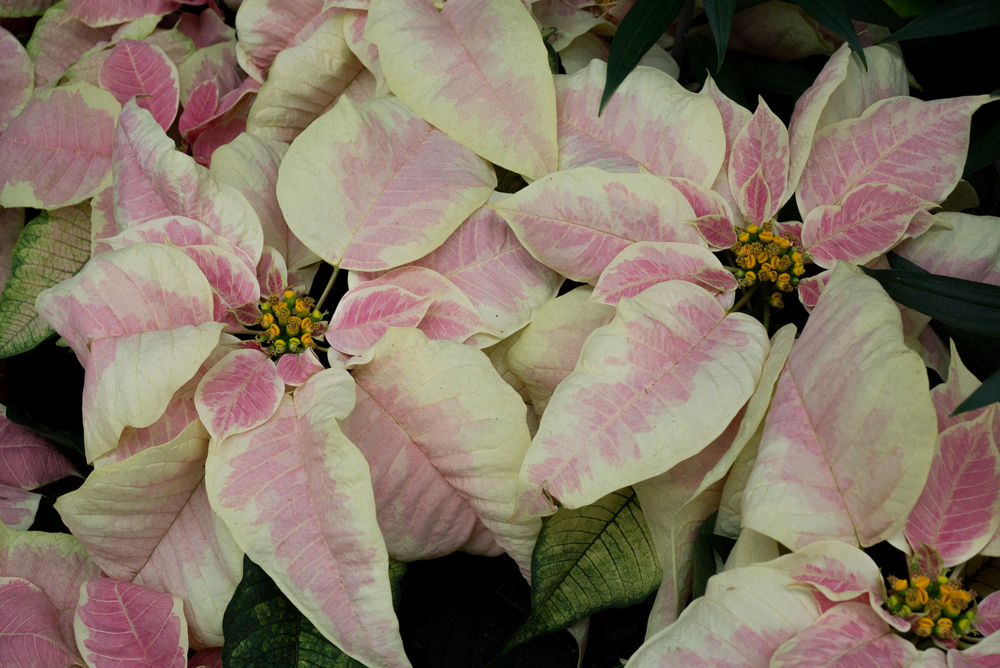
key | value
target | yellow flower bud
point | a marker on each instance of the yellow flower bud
(925, 623)
(289, 294)
(274, 330)
(749, 262)
(798, 270)
(307, 341)
(766, 237)
(753, 229)
(744, 237)
(922, 582)
(797, 257)
(782, 241)
(751, 277)
(267, 320)
(900, 585)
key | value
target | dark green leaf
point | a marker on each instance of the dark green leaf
(550, 50)
(984, 150)
(950, 18)
(508, 181)
(834, 15)
(987, 393)
(703, 556)
(910, 8)
(747, 4)
(264, 629)
(973, 306)
(70, 443)
(589, 559)
(702, 56)
(764, 74)
(872, 11)
(644, 23)
(720, 17)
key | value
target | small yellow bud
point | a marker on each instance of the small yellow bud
(306, 325)
(753, 229)
(925, 623)
(922, 582)
(766, 267)
(279, 346)
(751, 277)
(274, 331)
(942, 579)
(293, 325)
(267, 320)
(766, 237)
(775, 300)
(744, 237)
(300, 306)
(289, 294)
(763, 257)
(294, 345)
(316, 316)
(783, 242)
(900, 585)
(797, 257)
(798, 270)
(307, 341)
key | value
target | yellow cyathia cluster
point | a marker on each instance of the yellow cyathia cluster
(942, 604)
(289, 322)
(764, 257)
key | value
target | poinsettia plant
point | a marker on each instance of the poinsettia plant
(356, 286)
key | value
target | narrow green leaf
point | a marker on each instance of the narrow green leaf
(984, 150)
(644, 23)
(589, 559)
(747, 4)
(950, 18)
(834, 16)
(703, 556)
(769, 75)
(720, 18)
(264, 629)
(910, 8)
(972, 306)
(51, 248)
(987, 393)
(702, 56)
(872, 11)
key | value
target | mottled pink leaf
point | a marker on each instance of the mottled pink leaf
(58, 150)
(21, 8)
(239, 393)
(758, 166)
(478, 71)
(958, 386)
(214, 128)
(984, 654)
(915, 145)
(365, 312)
(58, 41)
(29, 628)
(577, 221)
(17, 78)
(180, 413)
(110, 12)
(119, 624)
(297, 495)
(17, 507)
(215, 137)
(272, 274)
(883, 77)
(652, 373)
(651, 123)
(267, 27)
(987, 619)
(205, 29)
(200, 108)
(734, 116)
(970, 250)
(297, 369)
(870, 220)
(28, 460)
(647, 263)
(138, 68)
(180, 232)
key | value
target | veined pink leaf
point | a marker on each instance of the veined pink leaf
(55, 563)
(139, 68)
(239, 393)
(267, 27)
(959, 509)
(21, 8)
(443, 454)
(17, 507)
(272, 274)
(58, 150)
(734, 116)
(713, 212)
(457, 69)
(365, 312)
(180, 232)
(119, 624)
(223, 124)
(984, 654)
(216, 64)
(352, 23)
(355, 186)
(848, 634)
(205, 29)
(742, 619)
(28, 460)
(17, 78)
(869, 221)
(179, 414)
(569, 21)
(960, 384)
(646, 379)
(850, 435)
(297, 369)
(758, 166)
(99, 13)
(549, 347)
(298, 496)
(915, 145)
(987, 619)
(651, 124)
(884, 77)
(577, 221)
(58, 41)
(29, 628)
(647, 263)
(969, 250)
(201, 106)
(303, 82)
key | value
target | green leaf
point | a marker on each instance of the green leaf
(834, 16)
(987, 393)
(950, 18)
(910, 8)
(644, 23)
(720, 18)
(703, 556)
(508, 181)
(589, 559)
(872, 11)
(71, 444)
(264, 629)
(702, 57)
(51, 248)
(984, 150)
(972, 306)
(764, 74)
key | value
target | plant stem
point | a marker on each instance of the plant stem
(743, 300)
(329, 286)
(680, 35)
(767, 316)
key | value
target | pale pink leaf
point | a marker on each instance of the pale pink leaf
(984, 654)
(478, 71)
(870, 220)
(205, 29)
(758, 165)
(650, 124)
(58, 150)
(21, 8)
(581, 51)
(734, 116)
(811, 287)
(112, 12)
(200, 107)
(959, 509)
(28, 460)
(223, 124)
(297, 369)
(969, 250)
(124, 625)
(17, 507)
(713, 212)
(647, 263)
(915, 145)
(651, 377)
(272, 274)
(371, 186)
(352, 24)
(17, 78)
(883, 77)
(239, 393)
(987, 619)
(139, 68)
(102, 219)
(180, 232)
(297, 495)
(850, 634)
(179, 414)
(569, 21)
(577, 221)
(29, 628)
(58, 41)
(267, 27)
(958, 386)
(850, 435)
(365, 312)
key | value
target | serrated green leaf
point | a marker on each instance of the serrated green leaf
(644, 23)
(972, 306)
(834, 16)
(263, 629)
(950, 18)
(51, 248)
(984, 150)
(586, 560)
(703, 556)
(702, 56)
(720, 18)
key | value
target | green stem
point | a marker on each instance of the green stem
(743, 300)
(732, 269)
(767, 315)
(329, 286)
